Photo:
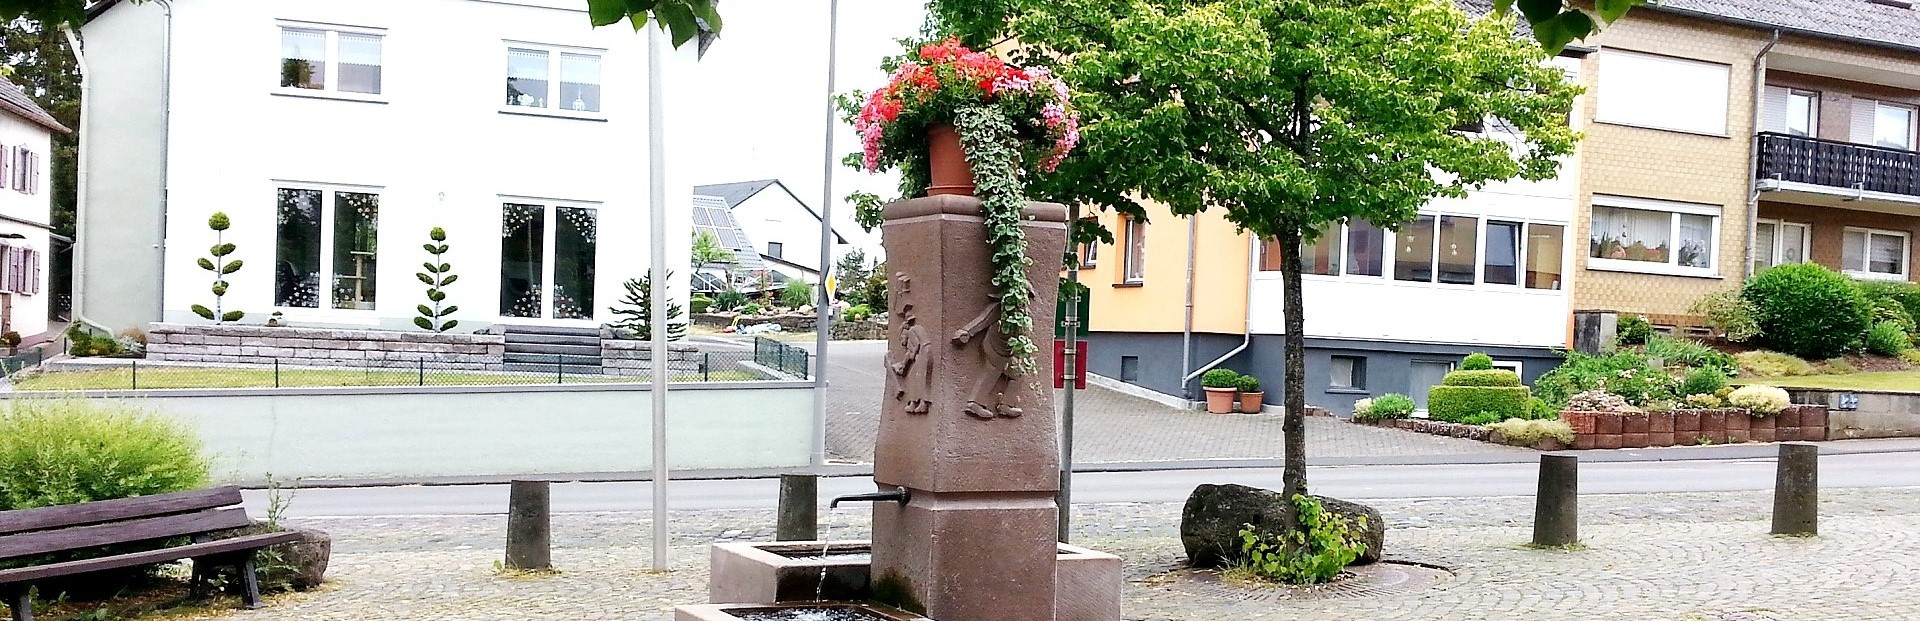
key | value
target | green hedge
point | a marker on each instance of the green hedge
(1489, 377)
(1456, 404)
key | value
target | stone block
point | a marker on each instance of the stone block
(1660, 422)
(1583, 441)
(1607, 423)
(1789, 417)
(1607, 441)
(1660, 439)
(1762, 435)
(1739, 421)
(1635, 423)
(1686, 422)
(1786, 434)
(1738, 436)
(1633, 440)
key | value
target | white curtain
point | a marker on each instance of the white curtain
(526, 64)
(307, 45)
(1696, 240)
(579, 68)
(1631, 234)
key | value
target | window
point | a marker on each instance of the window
(1779, 243)
(1546, 243)
(1876, 254)
(1893, 127)
(1090, 254)
(1662, 92)
(1322, 255)
(307, 219)
(22, 270)
(1366, 249)
(775, 249)
(1348, 372)
(531, 84)
(1652, 236)
(21, 168)
(1133, 264)
(1438, 249)
(1502, 265)
(548, 257)
(1129, 368)
(1791, 111)
(1413, 252)
(321, 59)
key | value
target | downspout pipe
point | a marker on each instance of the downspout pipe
(1186, 334)
(1753, 149)
(166, 154)
(80, 178)
(1246, 340)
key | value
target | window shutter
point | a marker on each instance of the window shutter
(1864, 111)
(34, 286)
(6, 282)
(1773, 109)
(6, 161)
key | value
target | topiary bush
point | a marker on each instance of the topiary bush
(1478, 397)
(1220, 378)
(1887, 338)
(1247, 383)
(1703, 382)
(1476, 362)
(1632, 330)
(1539, 409)
(699, 304)
(1484, 377)
(1807, 310)
(1772, 364)
(70, 451)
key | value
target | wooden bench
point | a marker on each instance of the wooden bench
(153, 519)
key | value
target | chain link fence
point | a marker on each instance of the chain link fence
(554, 369)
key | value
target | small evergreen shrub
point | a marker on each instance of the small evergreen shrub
(1734, 316)
(65, 452)
(1892, 301)
(1247, 383)
(1807, 310)
(1837, 366)
(1518, 432)
(1675, 351)
(1391, 406)
(1581, 372)
(1706, 401)
(438, 274)
(751, 308)
(1759, 400)
(1632, 330)
(1773, 364)
(1910, 356)
(699, 304)
(1220, 378)
(1476, 362)
(1887, 338)
(1459, 404)
(1487, 377)
(1703, 382)
(858, 312)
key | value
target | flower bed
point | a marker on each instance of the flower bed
(1608, 430)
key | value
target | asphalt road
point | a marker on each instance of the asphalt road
(1354, 482)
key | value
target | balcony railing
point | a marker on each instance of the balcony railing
(1839, 164)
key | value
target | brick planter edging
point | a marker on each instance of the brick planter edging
(1607, 430)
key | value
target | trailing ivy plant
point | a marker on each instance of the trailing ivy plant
(221, 267)
(987, 136)
(439, 274)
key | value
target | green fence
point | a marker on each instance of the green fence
(781, 357)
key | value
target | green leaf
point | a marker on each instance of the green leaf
(425, 311)
(705, 10)
(203, 312)
(1538, 11)
(441, 250)
(448, 310)
(439, 234)
(219, 288)
(436, 295)
(206, 264)
(232, 267)
(1611, 10)
(221, 250)
(425, 278)
(449, 325)
(430, 248)
(639, 20)
(448, 280)
(444, 268)
(679, 20)
(430, 267)
(604, 13)
(423, 323)
(233, 316)
(1556, 33)
(1502, 7)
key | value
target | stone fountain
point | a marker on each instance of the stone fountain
(966, 462)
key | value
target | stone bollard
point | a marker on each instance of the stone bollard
(799, 508)
(529, 525)
(1556, 512)
(1796, 490)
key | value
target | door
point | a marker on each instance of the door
(548, 258)
(1425, 375)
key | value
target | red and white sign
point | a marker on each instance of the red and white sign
(1079, 364)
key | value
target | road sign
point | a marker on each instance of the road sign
(1079, 365)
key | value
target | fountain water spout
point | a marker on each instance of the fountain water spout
(898, 494)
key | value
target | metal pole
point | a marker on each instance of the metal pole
(560, 369)
(423, 371)
(657, 210)
(276, 372)
(136, 374)
(1071, 373)
(824, 312)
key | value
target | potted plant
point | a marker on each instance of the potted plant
(12, 340)
(1251, 397)
(1222, 386)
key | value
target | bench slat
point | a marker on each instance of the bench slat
(47, 518)
(136, 559)
(83, 537)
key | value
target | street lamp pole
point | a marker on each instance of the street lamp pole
(823, 319)
(657, 205)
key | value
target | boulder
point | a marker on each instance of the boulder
(1211, 522)
(307, 558)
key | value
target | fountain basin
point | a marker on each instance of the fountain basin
(1087, 582)
(809, 611)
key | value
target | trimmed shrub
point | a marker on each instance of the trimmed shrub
(1807, 310)
(1887, 338)
(1772, 364)
(1732, 315)
(1673, 351)
(858, 312)
(1476, 362)
(1390, 406)
(1220, 378)
(1456, 404)
(65, 452)
(1706, 402)
(1518, 432)
(1703, 382)
(1759, 400)
(1911, 356)
(1632, 330)
(1247, 383)
(699, 304)
(1486, 377)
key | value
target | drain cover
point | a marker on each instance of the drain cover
(1383, 578)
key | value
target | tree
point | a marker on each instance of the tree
(637, 307)
(707, 251)
(439, 274)
(1288, 115)
(850, 277)
(221, 267)
(38, 59)
(682, 18)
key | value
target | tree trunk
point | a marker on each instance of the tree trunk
(1294, 426)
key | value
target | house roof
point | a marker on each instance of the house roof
(713, 215)
(739, 191)
(14, 99)
(1855, 21)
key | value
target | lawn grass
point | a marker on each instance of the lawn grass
(155, 377)
(1897, 381)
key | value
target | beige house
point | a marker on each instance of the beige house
(1726, 136)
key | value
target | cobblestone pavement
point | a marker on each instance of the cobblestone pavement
(1694, 557)
(1113, 427)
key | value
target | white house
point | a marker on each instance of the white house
(336, 134)
(782, 228)
(26, 146)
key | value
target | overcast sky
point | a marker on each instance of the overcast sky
(761, 110)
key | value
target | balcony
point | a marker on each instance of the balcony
(1831, 172)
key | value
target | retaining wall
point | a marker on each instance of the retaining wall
(174, 342)
(1861, 414)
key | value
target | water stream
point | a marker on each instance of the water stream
(826, 547)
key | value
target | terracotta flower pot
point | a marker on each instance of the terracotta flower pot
(951, 174)
(1221, 400)
(1251, 402)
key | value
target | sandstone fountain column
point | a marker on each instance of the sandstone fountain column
(973, 443)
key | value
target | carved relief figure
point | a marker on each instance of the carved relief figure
(911, 360)
(988, 397)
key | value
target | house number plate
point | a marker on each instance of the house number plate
(1846, 401)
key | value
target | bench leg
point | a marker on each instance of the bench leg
(249, 583)
(20, 599)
